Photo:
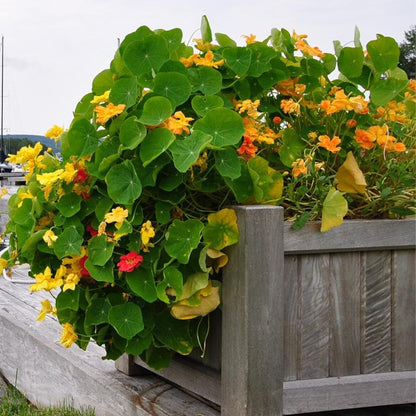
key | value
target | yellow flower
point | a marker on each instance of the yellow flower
(69, 173)
(248, 106)
(147, 232)
(49, 238)
(98, 99)
(71, 281)
(101, 228)
(202, 46)
(68, 336)
(49, 178)
(54, 132)
(3, 192)
(302, 46)
(29, 157)
(46, 308)
(110, 110)
(117, 215)
(44, 281)
(208, 60)
(3, 264)
(188, 62)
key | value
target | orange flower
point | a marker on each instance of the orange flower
(290, 106)
(291, 87)
(364, 139)
(250, 39)
(105, 113)
(188, 62)
(302, 46)
(351, 123)
(329, 144)
(177, 123)
(247, 150)
(299, 168)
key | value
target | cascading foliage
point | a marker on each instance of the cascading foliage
(126, 230)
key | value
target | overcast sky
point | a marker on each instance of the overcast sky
(54, 48)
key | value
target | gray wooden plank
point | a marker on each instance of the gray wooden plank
(252, 332)
(377, 332)
(314, 355)
(291, 319)
(403, 310)
(365, 390)
(345, 300)
(373, 235)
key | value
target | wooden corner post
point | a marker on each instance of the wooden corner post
(252, 326)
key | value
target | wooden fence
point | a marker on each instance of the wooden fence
(310, 321)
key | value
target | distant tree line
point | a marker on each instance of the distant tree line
(12, 145)
(407, 60)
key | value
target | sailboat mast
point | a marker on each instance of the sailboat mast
(2, 154)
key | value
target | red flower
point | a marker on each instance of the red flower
(129, 262)
(247, 150)
(84, 271)
(91, 230)
(276, 120)
(81, 176)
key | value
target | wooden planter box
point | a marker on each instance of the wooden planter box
(310, 321)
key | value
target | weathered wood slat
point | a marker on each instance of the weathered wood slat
(345, 281)
(252, 329)
(377, 355)
(378, 235)
(319, 395)
(404, 313)
(314, 355)
(291, 319)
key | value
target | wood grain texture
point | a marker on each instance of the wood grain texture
(350, 392)
(252, 333)
(377, 332)
(314, 355)
(345, 299)
(403, 310)
(378, 235)
(291, 319)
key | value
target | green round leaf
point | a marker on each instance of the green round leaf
(174, 86)
(224, 40)
(222, 229)
(68, 299)
(350, 62)
(97, 312)
(126, 319)
(100, 250)
(384, 90)
(132, 133)
(242, 187)
(384, 52)
(82, 138)
(173, 333)
(183, 237)
(156, 110)
(68, 243)
(186, 152)
(225, 126)
(227, 163)
(291, 148)
(335, 207)
(238, 59)
(154, 144)
(124, 91)
(102, 82)
(163, 212)
(312, 67)
(123, 184)
(142, 56)
(69, 204)
(203, 104)
(205, 79)
(101, 273)
(142, 282)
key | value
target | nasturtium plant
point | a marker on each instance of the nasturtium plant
(130, 221)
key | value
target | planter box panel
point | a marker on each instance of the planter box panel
(403, 308)
(340, 334)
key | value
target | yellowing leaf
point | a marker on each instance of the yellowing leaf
(334, 209)
(350, 177)
(216, 259)
(209, 302)
(221, 230)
